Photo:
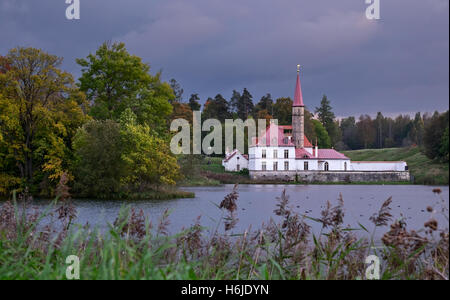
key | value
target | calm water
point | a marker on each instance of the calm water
(257, 202)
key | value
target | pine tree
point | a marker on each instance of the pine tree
(193, 102)
(245, 105)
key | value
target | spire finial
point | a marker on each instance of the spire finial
(298, 68)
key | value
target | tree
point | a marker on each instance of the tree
(177, 90)
(282, 110)
(114, 80)
(181, 111)
(234, 101)
(217, 108)
(147, 158)
(117, 158)
(265, 104)
(40, 111)
(245, 105)
(436, 137)
(323, 139)
(98, 167)
(193, 102)
(326, 117)
(349, 132)
(366, 132)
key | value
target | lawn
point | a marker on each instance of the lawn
(424, 170)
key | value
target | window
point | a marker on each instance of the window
(345, 166)
(238, 168)
(285, 140)
(286, 166)
(327, 166)
(264, 155)
(305, 166)
(275, 153)
(263, 166)
(275, 166)
(286, 153)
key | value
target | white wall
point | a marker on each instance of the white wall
(378, 166)
(237, 159)
(256, 160)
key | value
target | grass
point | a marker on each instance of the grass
(135, 248)
(424, 170)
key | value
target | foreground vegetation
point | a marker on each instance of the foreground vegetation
(424, 170)
(133, 247)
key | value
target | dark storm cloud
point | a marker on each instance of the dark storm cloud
(396, 64)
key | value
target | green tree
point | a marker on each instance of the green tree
(323, 139)
(265, 104)
(114, 158)
(349, 132)
(40, 111)
(436, 137)
(326, 117)
(98, 167)
(217, 108)
(245, 105)
(194, 102)
(234, 101)
(282, 110)
(114, 80)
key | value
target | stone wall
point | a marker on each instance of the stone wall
(332, 176)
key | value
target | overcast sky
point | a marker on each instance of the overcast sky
(398, 64)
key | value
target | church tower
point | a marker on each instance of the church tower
(298, 115)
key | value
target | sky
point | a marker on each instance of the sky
(397, 64)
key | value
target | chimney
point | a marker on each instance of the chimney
(316, 152)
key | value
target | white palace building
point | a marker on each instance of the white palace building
(285, 153)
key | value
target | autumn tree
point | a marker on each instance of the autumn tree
(40, 110)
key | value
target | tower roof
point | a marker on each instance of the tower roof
(298, 98)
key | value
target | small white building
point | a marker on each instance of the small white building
(235, 161)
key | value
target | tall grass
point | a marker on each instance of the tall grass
(35, 244)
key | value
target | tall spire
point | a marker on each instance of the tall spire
(298, 98)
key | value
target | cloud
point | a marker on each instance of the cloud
(215, 46)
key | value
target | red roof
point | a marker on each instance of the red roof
(298, 98)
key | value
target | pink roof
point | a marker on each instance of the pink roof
(331, 154)
(281, 137)
(298, 98)
(302, 153)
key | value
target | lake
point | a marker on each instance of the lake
(257, 202)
